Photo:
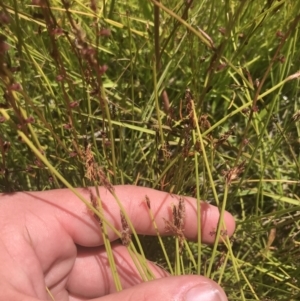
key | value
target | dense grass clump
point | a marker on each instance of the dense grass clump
(198, 98)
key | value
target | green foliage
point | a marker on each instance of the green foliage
(198, 98)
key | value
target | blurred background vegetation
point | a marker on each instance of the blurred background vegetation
(197, 98)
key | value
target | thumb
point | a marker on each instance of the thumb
(179, 288)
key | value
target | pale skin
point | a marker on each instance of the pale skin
(50, 239)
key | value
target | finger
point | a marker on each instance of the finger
(180, 288)
(91, 275)
(133, 199)
(63, 206)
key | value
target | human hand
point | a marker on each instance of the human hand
(50, 239)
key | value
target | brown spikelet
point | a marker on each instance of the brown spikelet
(89, 163)
(234, 172)
(177, 224)
(148, 202)
(125, 232)
(204, 122)
(93, 171)
(95, 204)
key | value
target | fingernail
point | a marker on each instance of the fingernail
(205, 292)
